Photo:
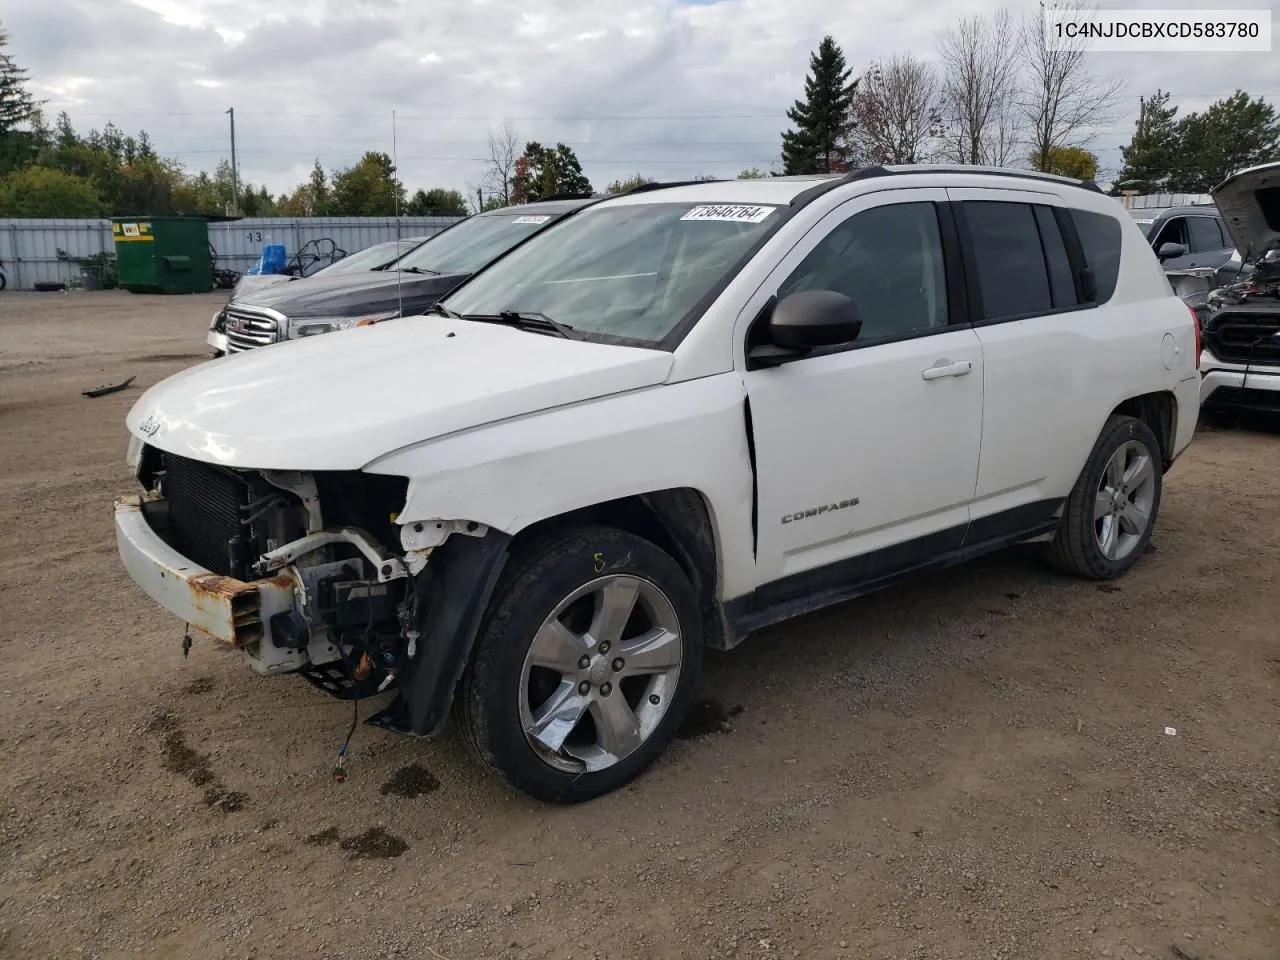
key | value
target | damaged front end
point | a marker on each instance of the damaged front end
(305, 573)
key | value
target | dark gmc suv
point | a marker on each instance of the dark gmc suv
(406, 287)
(1189, 237)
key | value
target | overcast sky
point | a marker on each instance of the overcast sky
(667, 88)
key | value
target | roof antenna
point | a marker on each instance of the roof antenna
(395, 184)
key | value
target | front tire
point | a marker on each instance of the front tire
(1113, 507)
(585, 666)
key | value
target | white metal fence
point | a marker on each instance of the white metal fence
(29, 248)
(1152, 201)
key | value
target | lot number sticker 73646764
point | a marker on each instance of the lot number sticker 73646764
(729, 213)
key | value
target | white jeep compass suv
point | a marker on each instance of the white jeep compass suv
(675, 418)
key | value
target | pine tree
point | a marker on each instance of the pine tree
(17, 106)
(1151, 155)
(1234, 133)
(817, 144)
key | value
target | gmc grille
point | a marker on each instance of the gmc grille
(249, 327)
(1242, 336)
(205, 504)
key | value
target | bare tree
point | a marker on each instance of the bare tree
(977, 95)
(502, 151)
(1062, 102)
(895, 115)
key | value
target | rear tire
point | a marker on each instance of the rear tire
(585, 665)
(1113, 507)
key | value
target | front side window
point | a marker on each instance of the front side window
(631, 272)
(888, 261)
(1174, 231)
(474, 243)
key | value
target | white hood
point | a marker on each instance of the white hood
(1249, 202)
(341, 400)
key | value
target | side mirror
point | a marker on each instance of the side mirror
(1169, 251)
(804, 320)
(814, 318)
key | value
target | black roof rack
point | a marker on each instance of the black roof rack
(867, 173)
(561, 196)
(646, 187)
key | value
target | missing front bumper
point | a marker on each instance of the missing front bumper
(235, 612)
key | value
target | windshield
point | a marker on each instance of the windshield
(370, 258)
(631, 271)
(1145, 226)
(474, 243)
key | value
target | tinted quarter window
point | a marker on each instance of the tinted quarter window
(1205, 234)
(1100, 240)
(888, 261)
(1061, 283)
(1012, 277)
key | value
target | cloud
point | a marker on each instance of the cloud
(668, 88)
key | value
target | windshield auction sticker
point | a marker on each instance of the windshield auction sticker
(530, 219)
(729, 213)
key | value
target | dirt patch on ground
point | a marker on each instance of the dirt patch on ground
(934, 772)
(181, 759)
(411, 781)
(374, 844)
(707, 716)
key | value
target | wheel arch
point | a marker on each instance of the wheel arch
(681, 522)
(1159, 411)
(455, 589)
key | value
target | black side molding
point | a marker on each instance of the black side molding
(815, 590)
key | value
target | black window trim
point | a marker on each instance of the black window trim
(1040, 212)
(1075, 254)
(976, 310)
(958, 305)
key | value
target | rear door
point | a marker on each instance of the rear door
(1209, 248)
(1037, 342)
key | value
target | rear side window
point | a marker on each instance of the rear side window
(1012, 277)
(1205, 234)
(1100, 239)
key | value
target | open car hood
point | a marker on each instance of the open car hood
(1249, 202)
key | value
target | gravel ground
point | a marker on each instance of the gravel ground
(976, 765)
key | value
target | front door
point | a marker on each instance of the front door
(867, 453)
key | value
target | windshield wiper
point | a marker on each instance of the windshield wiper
(444, 311)
(423, 270)
(527, 321)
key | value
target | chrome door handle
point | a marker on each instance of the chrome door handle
(945, 368)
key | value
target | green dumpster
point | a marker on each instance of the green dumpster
(163, 254)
